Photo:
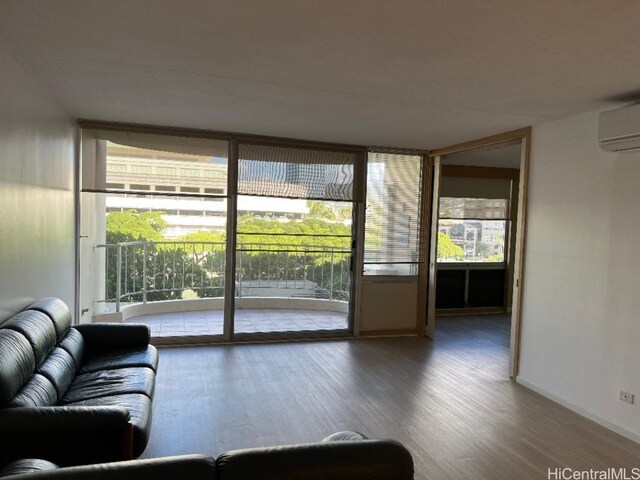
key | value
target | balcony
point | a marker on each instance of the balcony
(177, 288)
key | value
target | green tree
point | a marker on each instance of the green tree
(457, 230)
(481, 249)
(318, 209)
(344, 213)
(448, 249)
(168, 268)
(303, 250)
(311, 249)
(131, 226)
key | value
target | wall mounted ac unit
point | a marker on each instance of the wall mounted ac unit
(619, 130)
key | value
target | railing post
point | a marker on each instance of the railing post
(331, 278)
(118, 277)
(240, 272)
(144, 273)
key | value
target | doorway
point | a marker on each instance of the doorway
(477, 235)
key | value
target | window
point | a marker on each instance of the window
(190, 189)
(392, 223)
(472, 229)
(165, 188)
(214, 191)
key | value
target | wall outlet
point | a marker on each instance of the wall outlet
(627, 397)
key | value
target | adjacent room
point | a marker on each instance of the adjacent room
(339, 240)
(478, 198)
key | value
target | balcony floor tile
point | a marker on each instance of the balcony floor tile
(210, 322)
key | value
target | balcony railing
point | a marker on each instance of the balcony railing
(141, 272)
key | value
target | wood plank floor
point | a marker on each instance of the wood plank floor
(449, 401)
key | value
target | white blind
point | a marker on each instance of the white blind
(474, 208)
(468, 187)
(290, 172)
(117, 157)
(392, 228)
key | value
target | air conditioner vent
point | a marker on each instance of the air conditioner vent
(619, 130)
(621, 145)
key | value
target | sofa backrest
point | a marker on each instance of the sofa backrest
(39, 354)
(57, 311)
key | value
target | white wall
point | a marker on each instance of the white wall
(581, 308)
(36, 194)
(388, 304)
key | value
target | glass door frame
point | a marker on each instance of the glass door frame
(87, 131)
(356, 243)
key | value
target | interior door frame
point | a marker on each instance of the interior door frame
(522, 135)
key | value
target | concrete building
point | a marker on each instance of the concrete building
(132, 169)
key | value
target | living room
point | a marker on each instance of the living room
(414, 79)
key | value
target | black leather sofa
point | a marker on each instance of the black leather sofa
(73, 395)
(341, 456)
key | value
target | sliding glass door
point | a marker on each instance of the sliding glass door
(294, 241)
(203, 238)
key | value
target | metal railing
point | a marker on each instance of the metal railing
(141, 272)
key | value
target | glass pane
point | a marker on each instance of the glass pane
(163, 240)
(292, 265)
(392, 228)
(475, 208)
(471, 240)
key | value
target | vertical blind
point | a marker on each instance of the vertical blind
(392, 224)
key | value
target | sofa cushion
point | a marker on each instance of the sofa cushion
(38, 329)
(352, 460)
(73, 343)
(57, 311)
(60, 369)
(16, 364)
(110, 382)
(139, 407)
(27, 465)
(346, 436)
(130, 357)
(37, 392)
(182, 467)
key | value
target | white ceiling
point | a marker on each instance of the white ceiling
(420, 73)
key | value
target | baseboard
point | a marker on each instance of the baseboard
(450, 312)
(400, 332)
(580, 411)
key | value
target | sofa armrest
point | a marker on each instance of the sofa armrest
(114, 335)
(192, 467)
(353, 460)
(66, 435)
